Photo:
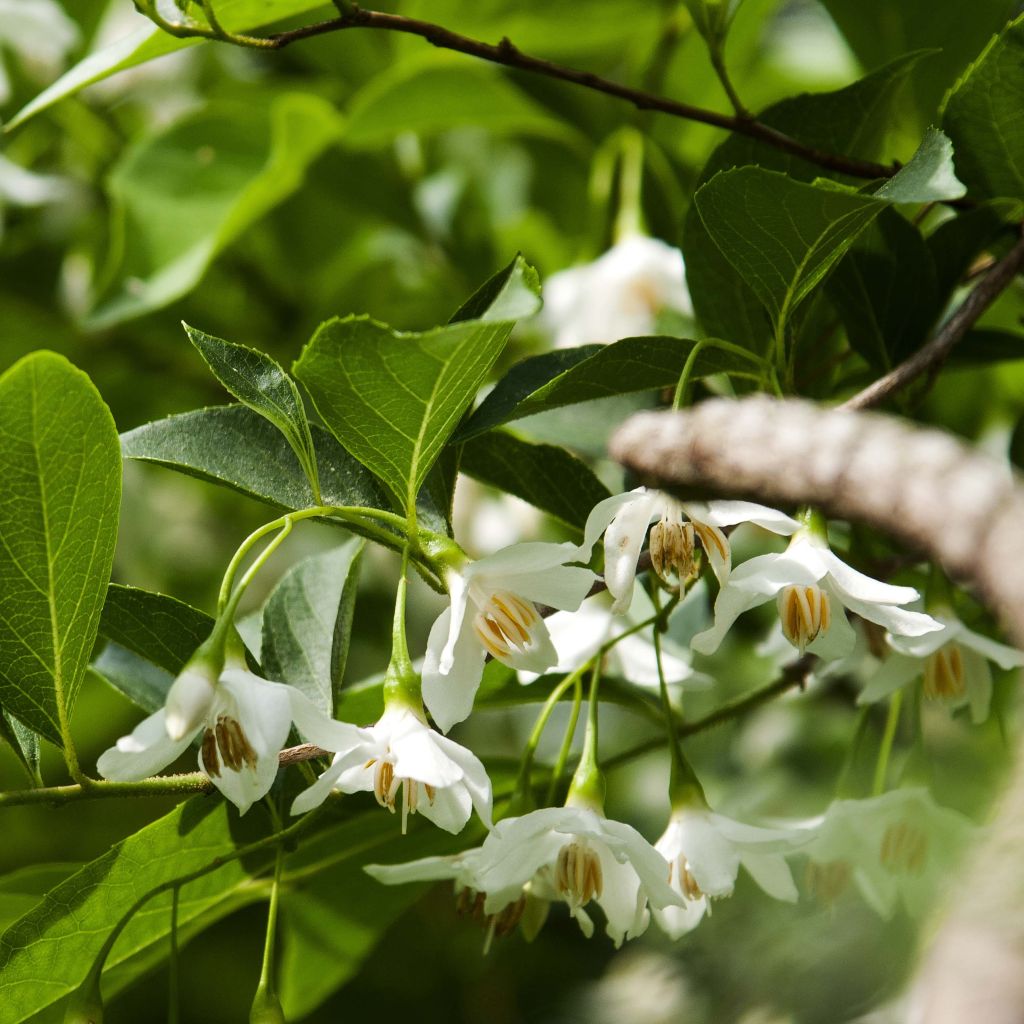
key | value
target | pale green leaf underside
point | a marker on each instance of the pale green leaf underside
(929, 175)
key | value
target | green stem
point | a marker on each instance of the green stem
(558, 769)
(268, 984)
(174, 785)
(587, 786)
(629, 219)
(884, 752)
(684, 377)
(718, 63)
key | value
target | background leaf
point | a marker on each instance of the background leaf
(142, 682)
(929, 175)
(307, 623)
(394, 399)
(546, 476)
(781, 235)
(259, 382)
(982, 117)
(58, 520)
(511, 294)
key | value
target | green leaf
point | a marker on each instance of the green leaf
(159, 628)
(432, 93)
(880, 30)
(851, 121)
(886, 292)
(132, 675)
(22, 889)
(511, 294)
(983, 118)
(61, 468)
(184, 194)
(23, 741)
(259, 382)
(781, 235)
(583, 374)
(929, 175)
(149, 43)
(546, 476)
(234, 446)
(307, 623)
(984, 346)
(956, 243)
(47, 953)
(393, 399)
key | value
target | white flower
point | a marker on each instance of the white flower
(813, 587)
(438, 778)
(953, 661)
(619, 295)
(900, 845)
(40, 33)
(705, 850)
(244, 721)
(578, 636)
(493, 611)
(624, 519)
(575, 854)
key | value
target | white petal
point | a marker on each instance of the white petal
(928, 643)
(561, 586)
(897, 670)
(444, 641)
(576, 636)
(474, 777)
(899, 621)
(449, 696)
(143, 752)
(675, 922)
(529, 557)
(855, 584)
(418, 757)
(316, 727)
(732, 513)
(620, 889)
(316, 794)
(772, 873)
(978, 683)
(426, 869)
(1003, 655)
(622, 543)
(450, 808)
(839, 639)
(189, 700)
(712, 859)
(649, 865)
(604, 512)
(539, 656)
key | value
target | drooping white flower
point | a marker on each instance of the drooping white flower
(813, 586)
(437, 777)
(617, 296)
(898, 846)
(953, 661)
(705, 850)
(624, 519)
(244, 721)
(578, 636)
(575, 854)
(493, 611)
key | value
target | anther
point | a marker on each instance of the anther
(944, 673)
(505, 623)
(804, 613)
(578, 874)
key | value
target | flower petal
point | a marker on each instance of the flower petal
(417, 756)
(732, 513)
(677, 921)
(143, 752)
(316, 794)
(622, 543)
(897, 670)
(899, 621)
(426, 869)
(458, 596)
(852, 583)
(978, 683)
(561, 586)
(772, 874)
(449, 809)
(620, 895)
(839, 639)
(474, 777)
(449, 696)
(1003, 655)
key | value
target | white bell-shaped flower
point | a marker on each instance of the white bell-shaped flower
(624, 519)
(493, 611)
(244, 722)
(619, 295)
(813, 587)
(437, 777)
(953, 662)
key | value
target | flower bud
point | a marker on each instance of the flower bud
(266, 1009)
(190, 698)
(85, 1006)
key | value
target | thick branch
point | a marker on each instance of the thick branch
(508, 55)
(929, 358)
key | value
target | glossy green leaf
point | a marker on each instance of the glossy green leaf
(393, 399)
(886, 292)
(781, 235)
(134, 676)
(983, 118)
(58, 519)
(184, 194)
(22, 741)
(22, 889)
(928, 177)
(546, 476)
(511, 294)
(259, 382)
(148, 43)
(880, 30)
(430, 93)
(234, 446)
(307, 623)
(850, 121)
(583, 374)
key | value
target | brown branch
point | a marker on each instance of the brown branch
(929, 358)
(508, 55)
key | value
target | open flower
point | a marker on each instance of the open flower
(437, 778)
(494, 611)
(624, 519)
(244, 722)
(578, 636)
(705, 850)
(813, 586)
(619, 295)
(577, 855)
(901, 845)
(953, 662)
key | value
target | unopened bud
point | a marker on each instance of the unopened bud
(85, 1006)
(266, 1009)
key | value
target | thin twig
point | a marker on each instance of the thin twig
(509, 55)
(929, 358)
